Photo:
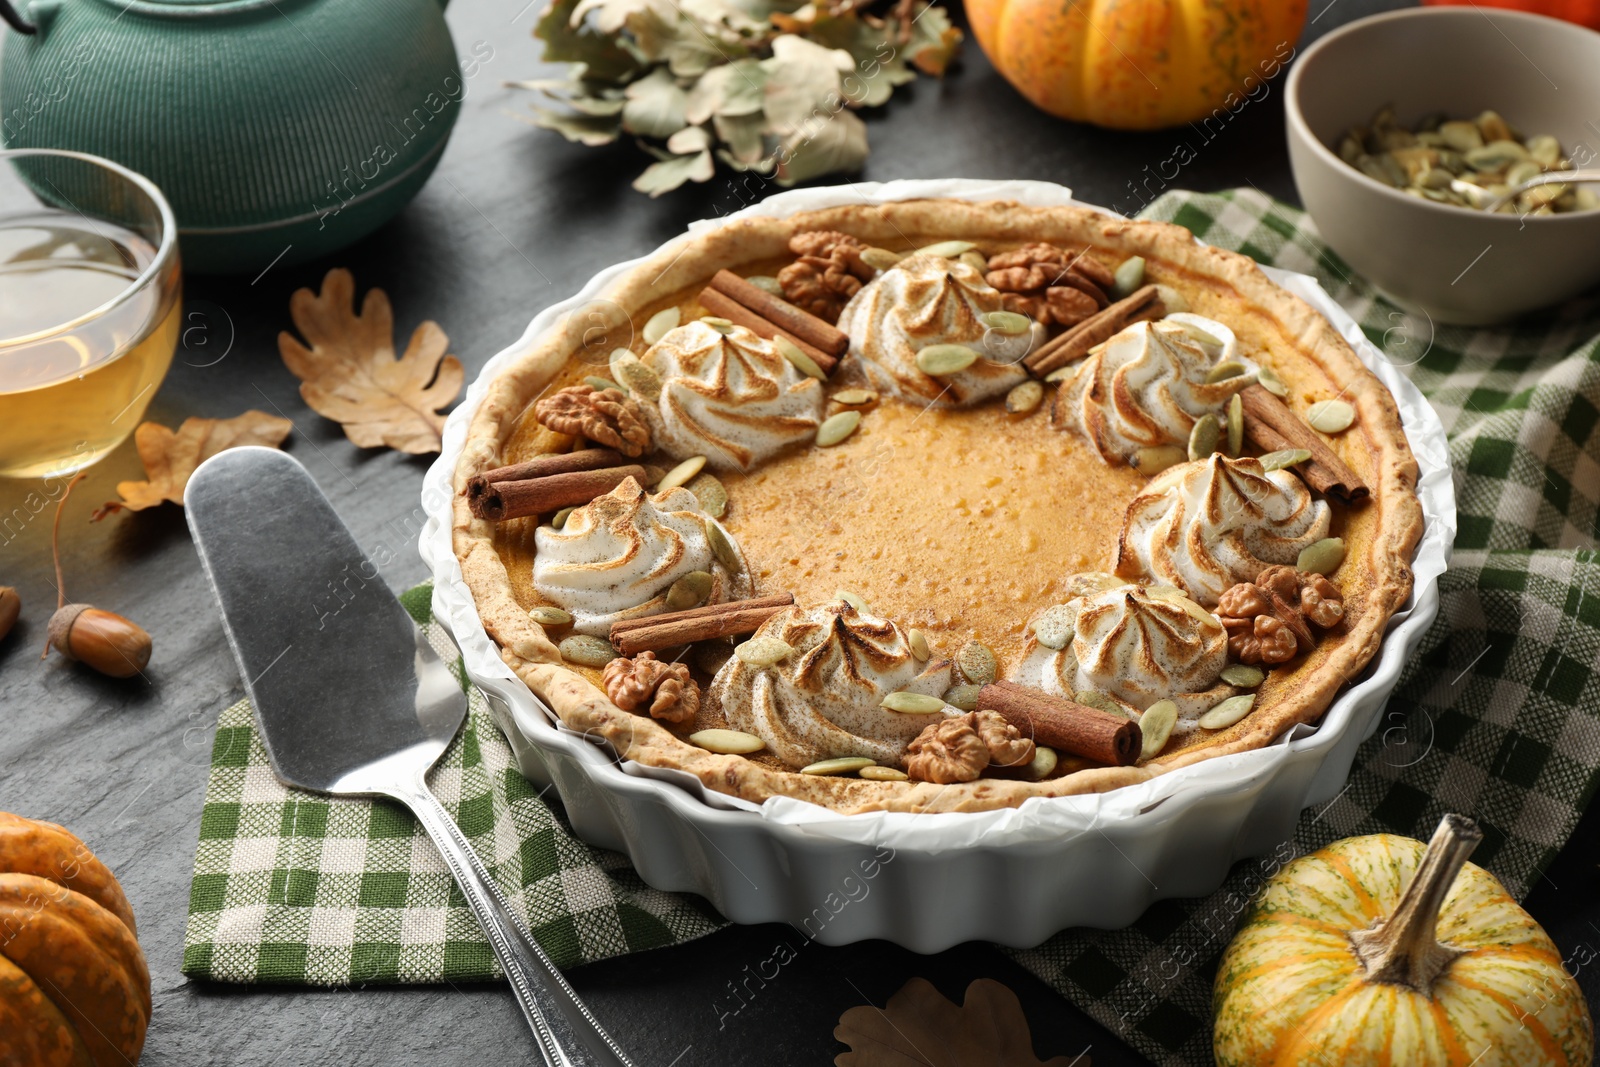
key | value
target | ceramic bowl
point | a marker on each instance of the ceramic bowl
(935, 880)
(1452, 264)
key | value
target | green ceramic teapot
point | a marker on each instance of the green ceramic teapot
(276, 128)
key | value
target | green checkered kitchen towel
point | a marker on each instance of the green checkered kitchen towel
(299, 888)
(1498, 716)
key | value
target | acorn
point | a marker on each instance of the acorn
(104, 640)
(10, 608)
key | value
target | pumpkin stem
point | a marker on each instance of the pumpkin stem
(1404, 949)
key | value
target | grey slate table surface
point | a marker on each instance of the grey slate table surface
(514, 219)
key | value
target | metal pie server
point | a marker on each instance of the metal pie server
(351, 698)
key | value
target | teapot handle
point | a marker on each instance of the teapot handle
(14, 20)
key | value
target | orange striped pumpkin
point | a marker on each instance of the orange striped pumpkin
(1139, 64)
(74, 987)
(1373, 951)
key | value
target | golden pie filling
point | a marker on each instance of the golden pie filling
(936, 506)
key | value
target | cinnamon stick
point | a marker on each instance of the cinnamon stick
(1270, 425)
(535, 496)
(1065, 724)
(721, 304)
(656, 632)
(1076, 342)
(814, 331)
(587, 459)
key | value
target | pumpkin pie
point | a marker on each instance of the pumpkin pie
(937, 506)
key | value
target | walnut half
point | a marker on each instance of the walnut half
(604, 416)
(672, 695)
(1266, 620)
(959, 749)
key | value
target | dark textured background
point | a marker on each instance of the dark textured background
(514, 219)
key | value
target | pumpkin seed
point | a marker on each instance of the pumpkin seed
(1089, 583)
(1330, 416)
(945, 359)
(559, 519)
(912, 703)
(1155, 725)
(1228, 368)
(661, 323)
(1518, 173)
(1545, 150)
(711, 493)
(766, 283)
(837, 427)
(1271, 382)
(598, 384)
(945, 249)
(1092, 699)
(853, 600)
(840, 765)
(1175, 302)
(1205, 437)
(1322, 558)
(1493, 127)
(964, 697)
(681, 474)
(1024, 398)
(1461, 136)
(718, 323)
(1208, 341)
(1157, 458)
(1008, 322)
(545, 615)
(976, 662)
(1129, 276)
(919, 645)
(1055, 627)
(880, 258)
(587, 651)
(796, 356)
(1243, 675)
(640, 380)
(1228, 712)
(1235, 425)
(690, 591)
(722, 547)
(1496, 155)
(762, 652)
(975, 260)
(853, 398)
(1061, 373)
(1284, 458)
(727, 742)
(884, 774)
(1043, 764)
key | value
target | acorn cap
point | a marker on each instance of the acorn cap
(61, 625)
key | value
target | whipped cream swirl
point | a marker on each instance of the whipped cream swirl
(616, 557)
(930, 300)
(823, 700)
(1206, 525)
(1146, 387)
(1134, 644)
(728, 396)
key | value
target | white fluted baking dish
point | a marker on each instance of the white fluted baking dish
(930, 881)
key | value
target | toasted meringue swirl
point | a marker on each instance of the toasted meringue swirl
(1206, 525)
(1136, 646)
(823, 700)
(1146, 387)
(730, 397)
(929, 300)
(616, 557)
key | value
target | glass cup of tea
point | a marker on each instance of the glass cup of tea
(90, 295)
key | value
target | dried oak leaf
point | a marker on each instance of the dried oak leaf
(169, 458)
(349, 372)
(919, 1026)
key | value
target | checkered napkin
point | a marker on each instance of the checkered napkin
(299, 888)
(1498, 715)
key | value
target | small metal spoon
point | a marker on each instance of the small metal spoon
(1480, 197)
